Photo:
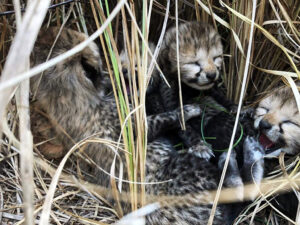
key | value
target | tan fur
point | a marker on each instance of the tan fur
(210, 67)
(69, 98)
(44, 135)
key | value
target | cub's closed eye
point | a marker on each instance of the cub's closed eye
(261, 111)
(194, 63)
(219, 57)
(290, 122)
(263, 108)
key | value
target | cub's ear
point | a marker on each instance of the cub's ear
(47, 36)
(91, 72)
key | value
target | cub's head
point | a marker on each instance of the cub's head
(128, 73)
(125, 61)
(200, 54)
(278, 119)
(80, 73)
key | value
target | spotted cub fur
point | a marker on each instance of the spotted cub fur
(200, 59)
(200, 55)
(68, 93)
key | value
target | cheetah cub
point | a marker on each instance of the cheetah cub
(200, 55)
(200, 59)
(277, 118)
(154, 104)
(67, 94)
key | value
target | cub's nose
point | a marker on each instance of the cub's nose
(211, 76)
(264, 125)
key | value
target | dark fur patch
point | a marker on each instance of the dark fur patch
(194, 80)
(91, 72)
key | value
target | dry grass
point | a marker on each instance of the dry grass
(273, 57)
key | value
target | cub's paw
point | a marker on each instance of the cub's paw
(191, 111)
(223, 157)
(232, 177)
(245, 112)
(253, 150)
(253, 168)
(248, 113)
(233, 109)
(202, 151)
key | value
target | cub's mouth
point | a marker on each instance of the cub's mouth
(207, 86)
(199, 83)
(200, 86)
(269, 145)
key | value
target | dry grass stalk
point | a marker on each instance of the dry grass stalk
(50, 193)
(178, 68)
(25, 137)
(19, 52)
(26, 153)
(123, 110)
(242, 93)
(30, 25)
(265, 189)
(113, 184)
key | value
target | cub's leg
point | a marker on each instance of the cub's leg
(253, 166)
(252, 171)
(190, 136)
(159, 123)
(178, 174)
(233, 177)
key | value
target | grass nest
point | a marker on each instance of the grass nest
(274, 59)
